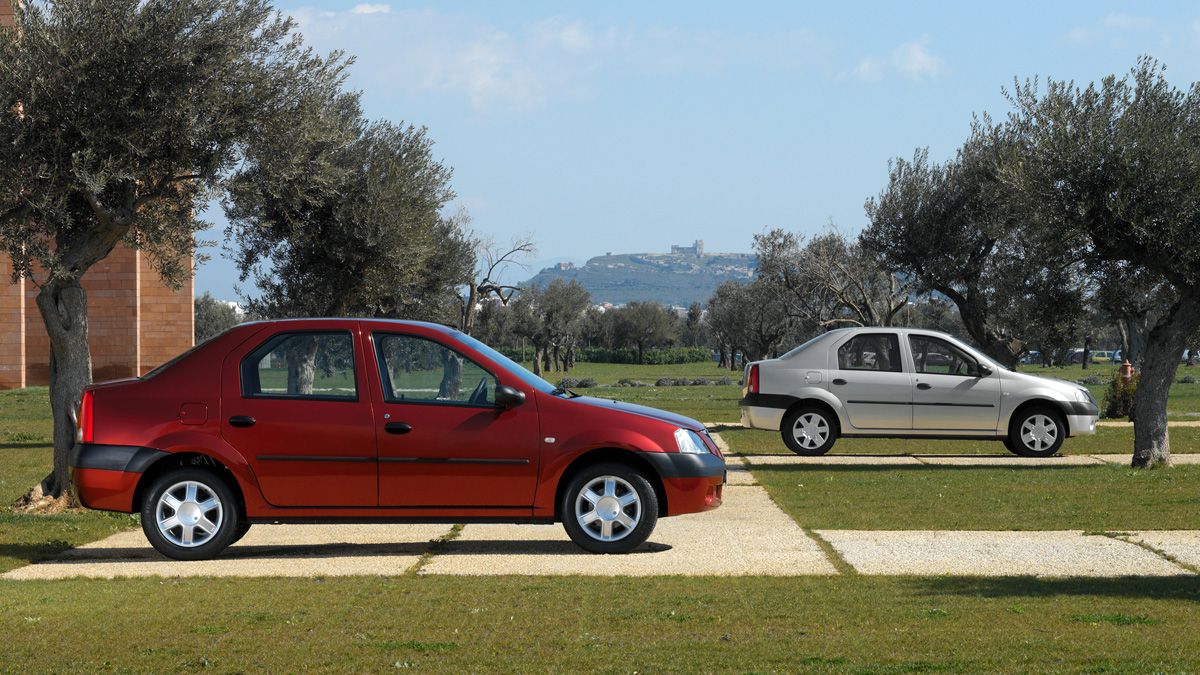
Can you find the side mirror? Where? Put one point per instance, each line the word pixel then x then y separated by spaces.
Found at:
pixel 509 397
pixel 982 370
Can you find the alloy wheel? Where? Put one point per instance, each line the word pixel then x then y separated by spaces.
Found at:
pixel 189 513
pixel 608 508
pixel 810 431
pixel 1039 432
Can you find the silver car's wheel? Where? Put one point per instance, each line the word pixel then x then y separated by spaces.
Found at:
pixel 810 430
pixel 189 513
pixel 1039 432
pixel 1036 433
pixel 608 508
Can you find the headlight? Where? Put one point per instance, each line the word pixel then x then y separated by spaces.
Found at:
pixel 690 443
pixel 1084 396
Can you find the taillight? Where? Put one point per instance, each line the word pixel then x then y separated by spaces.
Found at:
pixel 86 431
pixel 752 380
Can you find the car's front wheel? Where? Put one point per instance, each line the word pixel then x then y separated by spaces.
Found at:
pixel 609 508
pixel 190 514
pixel 809 431
pixel 1036 432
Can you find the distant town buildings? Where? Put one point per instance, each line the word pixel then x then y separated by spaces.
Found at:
pixel 696 249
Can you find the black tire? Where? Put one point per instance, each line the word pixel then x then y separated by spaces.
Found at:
pixel 1035 444
pixel 229 521
pixel 241 532
pixel 1008 444
pixel 589 537
pixel 824 419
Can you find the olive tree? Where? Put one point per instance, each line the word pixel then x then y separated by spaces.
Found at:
pixel 958 230
pixel 1116 167
pixel 119 119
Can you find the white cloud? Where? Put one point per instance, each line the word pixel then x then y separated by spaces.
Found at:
pixel 367 8
pixel 1123 21
pixel 1080 35
pixel 911 60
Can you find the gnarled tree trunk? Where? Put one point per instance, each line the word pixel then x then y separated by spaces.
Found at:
pixel 63 305
pixel 302 366
pixel 1160 360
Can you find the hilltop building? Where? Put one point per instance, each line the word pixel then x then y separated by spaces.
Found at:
pixel 135 322
pixel 696 249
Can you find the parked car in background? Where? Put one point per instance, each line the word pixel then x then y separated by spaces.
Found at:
pixel 353 420
pixel 889 382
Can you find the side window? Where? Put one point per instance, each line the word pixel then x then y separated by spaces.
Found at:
pixel 416 370
pixel 871 351
pixel 934 356
pixel 302 365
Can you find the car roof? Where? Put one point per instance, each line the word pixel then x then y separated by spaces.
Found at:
pixel 442 328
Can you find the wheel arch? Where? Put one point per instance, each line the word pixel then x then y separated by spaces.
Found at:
pixel 1039 403
pixel 186 459
pixel 609 454
pixel 816 402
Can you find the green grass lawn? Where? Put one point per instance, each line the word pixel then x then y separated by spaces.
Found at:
pixel 877 625
pixel 1110 498
pixel 1106 441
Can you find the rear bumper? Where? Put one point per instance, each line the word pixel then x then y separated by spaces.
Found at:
pixel 691 483
pixel 758 417
pixel 106 476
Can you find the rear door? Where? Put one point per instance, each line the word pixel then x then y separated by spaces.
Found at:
pixel 869 378
pixel 949 391
pixel 443 441
pixel 295 406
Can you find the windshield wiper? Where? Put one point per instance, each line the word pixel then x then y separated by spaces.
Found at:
pixel 559 391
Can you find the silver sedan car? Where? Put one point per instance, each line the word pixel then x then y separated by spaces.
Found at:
pixel 901 382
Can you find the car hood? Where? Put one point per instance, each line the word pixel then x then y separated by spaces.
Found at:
pixel 643 410
pixel 1057 383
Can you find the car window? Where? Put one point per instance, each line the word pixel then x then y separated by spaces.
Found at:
pixel 934 356
pixel 871 351
pixel 302 365
pixel 417 370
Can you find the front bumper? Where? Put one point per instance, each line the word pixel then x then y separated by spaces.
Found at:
pixel 691 483
pixel 1081 417
pixel 106 476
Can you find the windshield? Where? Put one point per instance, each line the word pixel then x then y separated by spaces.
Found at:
pixel 508 364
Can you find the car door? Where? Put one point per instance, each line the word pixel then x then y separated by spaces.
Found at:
pixel 443 441
pixel 950 392
pixel 294 405
pixel 869 379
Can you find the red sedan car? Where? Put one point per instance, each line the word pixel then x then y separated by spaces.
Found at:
pixel 355 420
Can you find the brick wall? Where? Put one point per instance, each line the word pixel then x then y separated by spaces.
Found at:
pixel 135 322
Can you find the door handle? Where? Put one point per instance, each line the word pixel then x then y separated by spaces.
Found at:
pixel 838 380
pixel 924 385
pixel 397 428
pixel 241 421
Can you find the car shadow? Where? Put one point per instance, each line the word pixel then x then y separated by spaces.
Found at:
pixel 1183 587
pixel 527 547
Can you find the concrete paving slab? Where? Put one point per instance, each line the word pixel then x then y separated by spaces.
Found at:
pixel 1182 545
pixel 1125 460
pixel 832 460
pixel 748 535
pixel 737 471
pixel 1053 554
pixel 267 550
pixel 1008 460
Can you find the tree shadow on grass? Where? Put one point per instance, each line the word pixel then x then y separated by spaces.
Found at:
pixel 31 553
pixel 1159 588
pixel 25 446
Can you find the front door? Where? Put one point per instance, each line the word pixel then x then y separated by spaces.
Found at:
pixel 950 393
pixel 443 442
pixel 294 406
pixel 871 383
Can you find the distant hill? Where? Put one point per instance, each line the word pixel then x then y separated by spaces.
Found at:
pixel 669 278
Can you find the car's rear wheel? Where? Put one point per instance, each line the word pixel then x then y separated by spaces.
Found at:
pixel 190 514
pixel 609 508
pixel 1036 432
pixel 809 430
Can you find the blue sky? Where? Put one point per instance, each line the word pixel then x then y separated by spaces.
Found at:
pixel 629 126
